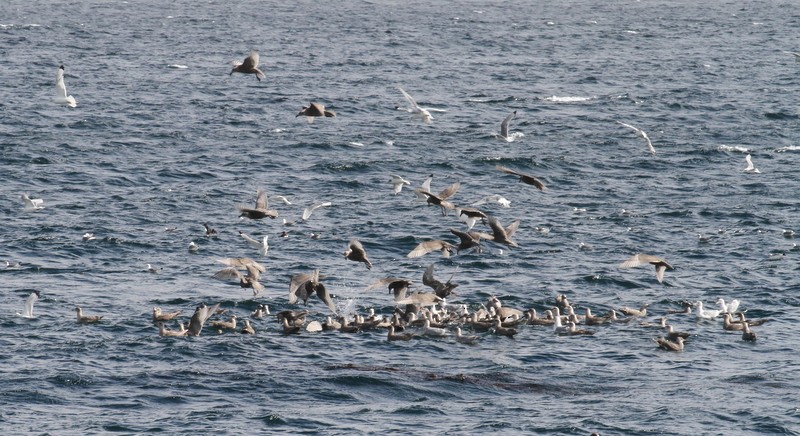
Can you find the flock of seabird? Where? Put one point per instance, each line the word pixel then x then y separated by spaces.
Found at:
pixel 418 313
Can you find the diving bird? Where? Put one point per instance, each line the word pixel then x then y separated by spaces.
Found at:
pixel 397 183
pixel 32 204
pixel 249 66
pixel 643 259
pixel 524 178
pixel 355 252
pixel 416 110
pixel 442 290
pixel 750 167
pixel 504 127
pixel 641 133
pixel 261 245
pixel 61 90
pixel 249 280
pixel 314 110
pixel 302 286
pixel 260 211
pixel 201 314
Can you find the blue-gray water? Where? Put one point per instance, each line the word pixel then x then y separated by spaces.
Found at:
pixel 150 147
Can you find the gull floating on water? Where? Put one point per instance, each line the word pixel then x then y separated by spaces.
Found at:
pixel 641 133
pixel 61 90
pixel 163 331
pixel 314 110
pixel 261 245
pixel 161 316
pixel 731 307
pixel 32 204
pixel 643 259
pixel 249 66
pixel 88 237
pixel 397 183
pixel 86 319
pixel 414 109
pixel 465 339
pixel 666 344
pixel 27 312
pixel 750 167
pixel 193 248
pixel 700 313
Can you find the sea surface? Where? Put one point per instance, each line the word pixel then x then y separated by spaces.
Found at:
pixel 152 152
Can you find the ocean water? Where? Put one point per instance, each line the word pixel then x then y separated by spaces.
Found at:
pixel 151 147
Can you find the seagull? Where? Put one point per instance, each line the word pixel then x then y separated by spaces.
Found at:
pixel 503 235
pixel 314 110
pixel 163 331
pixel 249 280
pixel 225 325
pixel 442 290
pixel 748 335
pixel 32 204
pixel 504 127
pixel 524 178
pixel 151 269
pixel 61 90
pixel 423 113
pixel 426 247
pixel 640 132
pixel 668 345
pixel 728 308
pixel 705 314
pixel 201 314
pixel 27 312
pixel 281 198
pixel 88 237
pixel 86 319
pixel 424 187
pixel 465 339
pixel 248 329
pixel 470 240
pixel 310 209
pixel 304 285
pixel 499 199
pixel 193 248
pixel 643 259
pixel 796 55
pixel 261 245
pixel 249 66
pixel 427 330
pixel 160 316
pixel 640 312
pixel 392 336
pixel 397 183
pixel 261 210
pixel 355 252
pixel 419 299
pixel 440 199
pixel 210 231
pixel 750 167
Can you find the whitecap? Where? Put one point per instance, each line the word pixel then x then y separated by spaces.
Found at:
pixel 557 99
pixel 788 148
pixel 177 66
pixel 355 144
pixel 278 130
pixel 736 148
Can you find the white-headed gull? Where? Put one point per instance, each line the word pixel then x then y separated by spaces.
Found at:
pixel 61 90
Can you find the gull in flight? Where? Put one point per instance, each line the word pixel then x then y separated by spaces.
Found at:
pixel 796 55
pixel 201 314
pixel 504 127
pixel 524 178
pixel 425 187
pixel 398 182
pixel 750 167
pixel 643 259
pixel 499 199
pixel 33 204
pixel 261 210
pixel 355 252
pixel 314 110
pixel 640 132
pixel 414 109
pixel 310 209
pixel 249 66
pixel 28 311
pixel 261 245
pixel 61 90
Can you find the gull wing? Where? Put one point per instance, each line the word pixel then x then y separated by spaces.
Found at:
pixel 309 210
pixel 426 247
pixel 251 61
pixel 409 98
pixel 61 88
pixel 449 191
pixel 228 274
pixel 504 124
pixel 261 199
pixel 323 295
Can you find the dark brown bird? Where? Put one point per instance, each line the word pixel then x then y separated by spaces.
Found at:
pixel 249 66
pixel 666 344
pixel 261 210
pixel 470 240
pixel 249 280
pixel 440 199
pixel 355 252
pixel 503 235
pixel 210 231
pixel 303 286
pixel 524 178
pixel 442 290
pixel 314 110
